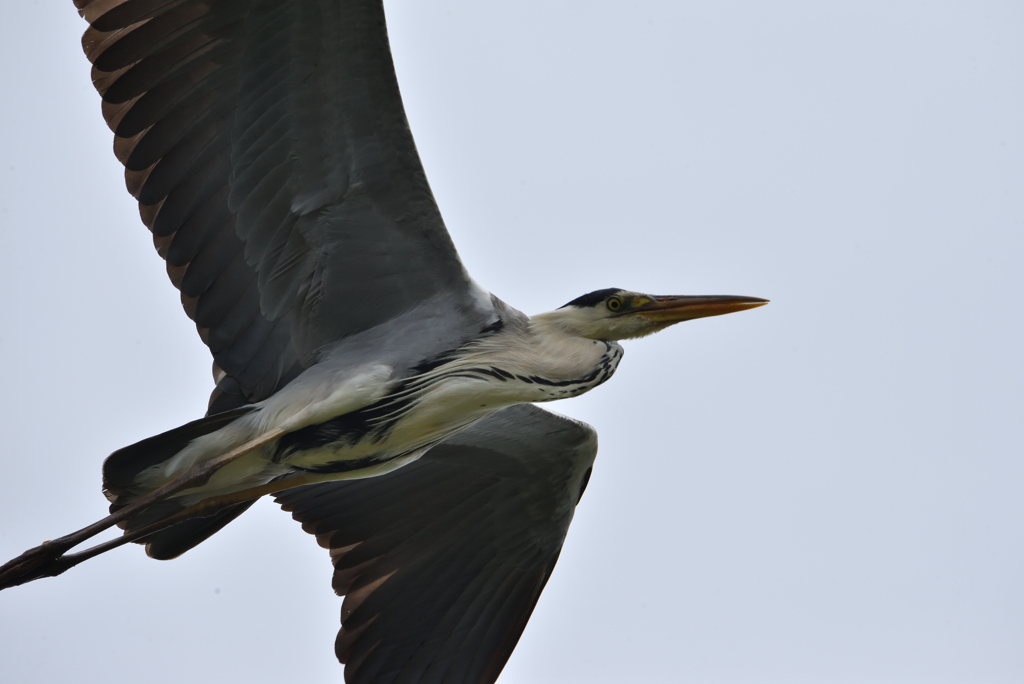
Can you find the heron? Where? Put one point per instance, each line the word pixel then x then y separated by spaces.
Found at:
pixel 362 377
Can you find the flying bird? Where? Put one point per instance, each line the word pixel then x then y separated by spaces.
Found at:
pixel 362 376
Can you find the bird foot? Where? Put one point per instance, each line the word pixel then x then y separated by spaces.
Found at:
pixel 45 560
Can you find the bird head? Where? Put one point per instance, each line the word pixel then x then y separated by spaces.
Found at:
pixel 616 314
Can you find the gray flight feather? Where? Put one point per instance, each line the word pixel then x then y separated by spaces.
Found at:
pixel 268 147
pixel 442 561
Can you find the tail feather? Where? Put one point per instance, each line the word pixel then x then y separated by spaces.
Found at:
pixel 122 467
pixel 121 471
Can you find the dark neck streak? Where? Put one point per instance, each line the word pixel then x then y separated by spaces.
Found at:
pixel 604 370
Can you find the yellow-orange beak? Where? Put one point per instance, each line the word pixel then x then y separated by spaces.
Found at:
pixel 676 309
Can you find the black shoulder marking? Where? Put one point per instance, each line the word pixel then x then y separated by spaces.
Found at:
pixel 593 298
pixel 436 362
pixel 493 327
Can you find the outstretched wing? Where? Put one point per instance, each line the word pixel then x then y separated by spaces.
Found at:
pixel 442 561
pixel 268 147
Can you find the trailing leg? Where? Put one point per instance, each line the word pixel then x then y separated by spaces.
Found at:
pixel 45 560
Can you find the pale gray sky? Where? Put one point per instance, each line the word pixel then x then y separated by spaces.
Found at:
pixel 824 490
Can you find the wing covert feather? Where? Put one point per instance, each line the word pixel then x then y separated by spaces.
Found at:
pixel 443 560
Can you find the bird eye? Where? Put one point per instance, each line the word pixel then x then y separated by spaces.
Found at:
pixel 614 304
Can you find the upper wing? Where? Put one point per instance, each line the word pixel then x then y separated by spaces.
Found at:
pixel 268 147
pixel 442 561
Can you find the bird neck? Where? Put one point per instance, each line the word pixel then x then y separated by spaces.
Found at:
pixel 543 346
pixel 564 322
pixel 565 362
pixel 559 349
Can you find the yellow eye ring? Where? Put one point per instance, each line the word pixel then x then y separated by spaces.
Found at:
pixel 614 304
